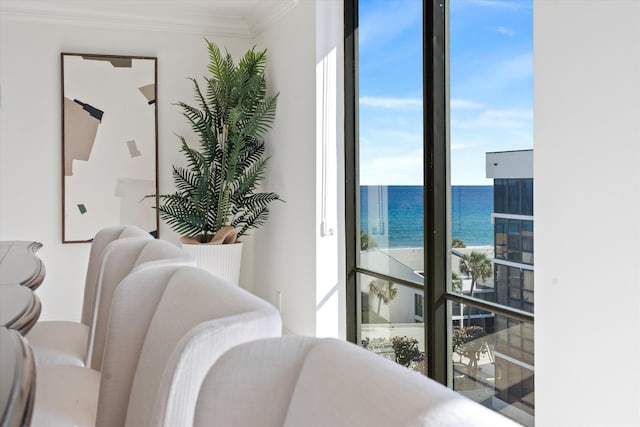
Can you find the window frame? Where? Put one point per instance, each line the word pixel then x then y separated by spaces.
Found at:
pixel 436 284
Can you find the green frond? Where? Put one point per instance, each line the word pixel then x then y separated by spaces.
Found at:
pixel 262 118
pixel 249 179
pixel 259 200
pixel 185 179
pixel 202 102
pixel 195 159
pixel 254 149
pixel 250 220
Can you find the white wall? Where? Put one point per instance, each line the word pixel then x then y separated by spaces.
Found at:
pixel 587 201
pixel 30 142
pixel 297 266
pixel 330 289
pixel 286 243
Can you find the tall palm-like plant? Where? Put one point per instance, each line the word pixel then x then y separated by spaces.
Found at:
pixel 477 266
pixel 383 290
pixel 217 189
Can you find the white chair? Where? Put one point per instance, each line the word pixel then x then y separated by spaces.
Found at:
pixel 312 382
pixel 167 326
pixel 65 342
pixel 121 258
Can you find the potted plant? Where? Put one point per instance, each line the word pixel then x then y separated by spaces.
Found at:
pixel 216 199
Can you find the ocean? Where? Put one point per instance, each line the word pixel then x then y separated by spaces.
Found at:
pixel 402 206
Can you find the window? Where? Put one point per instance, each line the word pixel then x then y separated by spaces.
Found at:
pixel 439 180
pixel 387 212
pixel 490 146
pixel 513 196
pixel 514 240
pixel 418 303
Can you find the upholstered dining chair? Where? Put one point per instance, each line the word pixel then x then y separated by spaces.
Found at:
pixel 167 326
pixel 121 258
pixel 297 381
pixel 65 342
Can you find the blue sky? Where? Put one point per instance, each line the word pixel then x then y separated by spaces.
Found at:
pixel 491 84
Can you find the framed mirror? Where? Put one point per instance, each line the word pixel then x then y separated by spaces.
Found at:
pixel 109 143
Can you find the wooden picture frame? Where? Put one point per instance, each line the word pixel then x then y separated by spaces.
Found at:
pixel 109 143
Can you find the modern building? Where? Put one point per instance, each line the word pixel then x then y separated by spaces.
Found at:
pixel 512 174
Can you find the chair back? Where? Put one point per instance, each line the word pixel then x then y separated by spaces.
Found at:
pixel 100 241
pixel 167 326
pixel 120 258
pixel 315 382
pixel 260 375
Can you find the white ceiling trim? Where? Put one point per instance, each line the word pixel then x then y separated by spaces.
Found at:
pixel 270 12
pixel 238 18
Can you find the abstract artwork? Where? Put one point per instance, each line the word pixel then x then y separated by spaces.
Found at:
pixel 109 143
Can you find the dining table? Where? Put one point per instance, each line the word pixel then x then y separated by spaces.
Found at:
pixel 19 307
pixel 21 272
pixel 19 263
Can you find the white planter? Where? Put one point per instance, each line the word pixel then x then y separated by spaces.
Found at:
pixel 222 260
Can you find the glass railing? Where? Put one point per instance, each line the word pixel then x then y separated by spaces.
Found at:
pixel 392 321
pixel 492 363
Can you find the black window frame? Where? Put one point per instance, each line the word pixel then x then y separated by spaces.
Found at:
pixel 437 294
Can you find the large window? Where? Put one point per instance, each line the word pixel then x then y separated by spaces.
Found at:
pixel 388 211
pixel 439 184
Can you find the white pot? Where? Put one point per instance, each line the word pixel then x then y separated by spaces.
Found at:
pixel 222 260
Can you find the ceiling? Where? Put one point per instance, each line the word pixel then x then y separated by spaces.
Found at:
pixel 243 18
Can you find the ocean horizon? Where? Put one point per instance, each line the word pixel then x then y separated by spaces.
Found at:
pixel 394 215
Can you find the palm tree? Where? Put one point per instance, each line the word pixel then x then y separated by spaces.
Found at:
pixel 477 266
pixel 383 290
pixel 457 243
pixel 456 283
pixel 366 241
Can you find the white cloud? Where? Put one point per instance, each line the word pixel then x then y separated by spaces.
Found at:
pixel 492 78
pixel 500 119
pixel 465 104
pixel 404 169
pixel 520 66
pixel 458 147
pixel 391 103
pixel 506 31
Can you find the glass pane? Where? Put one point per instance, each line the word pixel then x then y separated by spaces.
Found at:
pixel 390 322
pixel 513 241
pixel 492 363
pixel 527 197
pixel 500 195
pixel 390 172
pixel 527 242
pixel 500 238
pixel 491 193
pixel 513 202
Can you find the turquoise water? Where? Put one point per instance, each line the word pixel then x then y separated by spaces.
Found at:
pixel 471 208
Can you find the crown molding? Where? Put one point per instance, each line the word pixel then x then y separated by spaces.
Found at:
pixel 268 12
pixel 237 18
